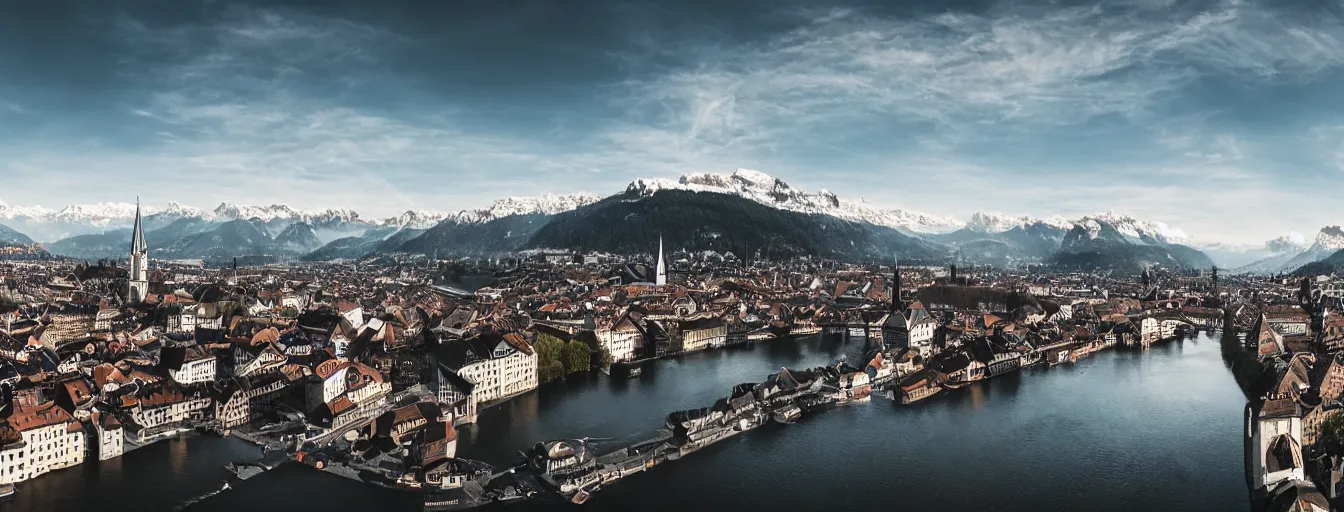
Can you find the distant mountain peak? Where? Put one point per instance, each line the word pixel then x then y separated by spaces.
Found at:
pixel 1291 242
pixel 415 219
pixel 771 191
pixel 1135 229
pixel 990 222
pixel 1330 238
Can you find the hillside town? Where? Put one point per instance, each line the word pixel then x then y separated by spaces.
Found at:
pixel 368 369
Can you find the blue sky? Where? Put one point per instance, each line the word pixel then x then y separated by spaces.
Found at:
pixel 1220 117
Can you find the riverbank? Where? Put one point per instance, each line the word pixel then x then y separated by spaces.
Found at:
pixel 1119 430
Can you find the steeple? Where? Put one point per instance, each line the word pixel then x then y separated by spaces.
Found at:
pixel 139 272
pixel 896 286
pixel 138 234
pixel 662 269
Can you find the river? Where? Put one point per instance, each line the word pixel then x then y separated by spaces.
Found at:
pixel 1157 430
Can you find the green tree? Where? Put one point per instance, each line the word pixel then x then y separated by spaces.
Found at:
pixel 1331 437
pixel 606 357
pixel 550 364
pixel 577 358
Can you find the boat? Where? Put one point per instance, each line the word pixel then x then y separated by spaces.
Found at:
pixel 787 414
pixel 634 372
pixel 7 490
pixel 581 497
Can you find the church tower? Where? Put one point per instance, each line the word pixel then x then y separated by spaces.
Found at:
pixel 661 280
pixel 896 328
pixel 139 272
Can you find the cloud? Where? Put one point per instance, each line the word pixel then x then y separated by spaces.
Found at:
pixel 1134 105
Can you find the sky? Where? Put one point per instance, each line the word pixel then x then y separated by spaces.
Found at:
pixel 1220 117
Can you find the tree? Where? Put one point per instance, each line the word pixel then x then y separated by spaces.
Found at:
pixel 606 357
pixel 1331 438
pixel 576 357
pixel 550 365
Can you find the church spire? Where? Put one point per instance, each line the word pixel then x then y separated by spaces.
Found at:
pixel 139 271
pixel 138 234
pixel 896 286
pixel 661 278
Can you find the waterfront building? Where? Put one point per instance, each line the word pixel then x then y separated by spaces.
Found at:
pixel 242 399
pixel 453 392
pixel 1277 443
pixel 138 282
pixel 620 340
pixel 111 438
pixel 164 411
pixel 38 438
pixel 703 333
pixel 497 366
pixel 917 386
pixel 1150 331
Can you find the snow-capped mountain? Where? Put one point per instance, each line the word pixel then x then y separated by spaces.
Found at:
pixel 174 211
pixel 987 222
pixel 280 212
pixel 45 224
pixel 1329 240
pixel 9 212
pixel 768 190
pixel 1291 242
pixel 415 219
pixel 545 204
pixel 1136 230
pixel 1121 242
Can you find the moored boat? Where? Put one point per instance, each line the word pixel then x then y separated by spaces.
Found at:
pixel 7 490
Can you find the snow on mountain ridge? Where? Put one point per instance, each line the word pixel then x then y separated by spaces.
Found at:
pixel 544 204
pixel 9 212
pixel 1330 238
pixel 1291 242
pixel 415 219
pixel 991 222
pixel 1133 228
pixel 99 214
pixel 770 191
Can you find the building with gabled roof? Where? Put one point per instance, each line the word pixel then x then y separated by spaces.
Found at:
pixel 36 439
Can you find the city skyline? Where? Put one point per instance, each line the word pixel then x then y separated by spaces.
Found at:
pixel 1031 108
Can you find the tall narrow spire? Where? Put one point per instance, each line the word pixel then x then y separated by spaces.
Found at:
pixel 139 272
pixel 138 234
pixel 896 286
pixel 661 279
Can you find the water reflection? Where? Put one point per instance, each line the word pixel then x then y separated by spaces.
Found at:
pixel 1119 431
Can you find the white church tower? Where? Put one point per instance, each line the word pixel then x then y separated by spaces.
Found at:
pixel 661 280
pixel 139 278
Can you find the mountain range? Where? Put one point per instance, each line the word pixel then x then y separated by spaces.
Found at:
pixel 745 212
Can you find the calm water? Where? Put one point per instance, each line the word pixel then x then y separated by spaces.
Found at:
pixel 1118 431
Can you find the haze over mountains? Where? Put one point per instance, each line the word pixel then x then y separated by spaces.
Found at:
pixel 745 212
